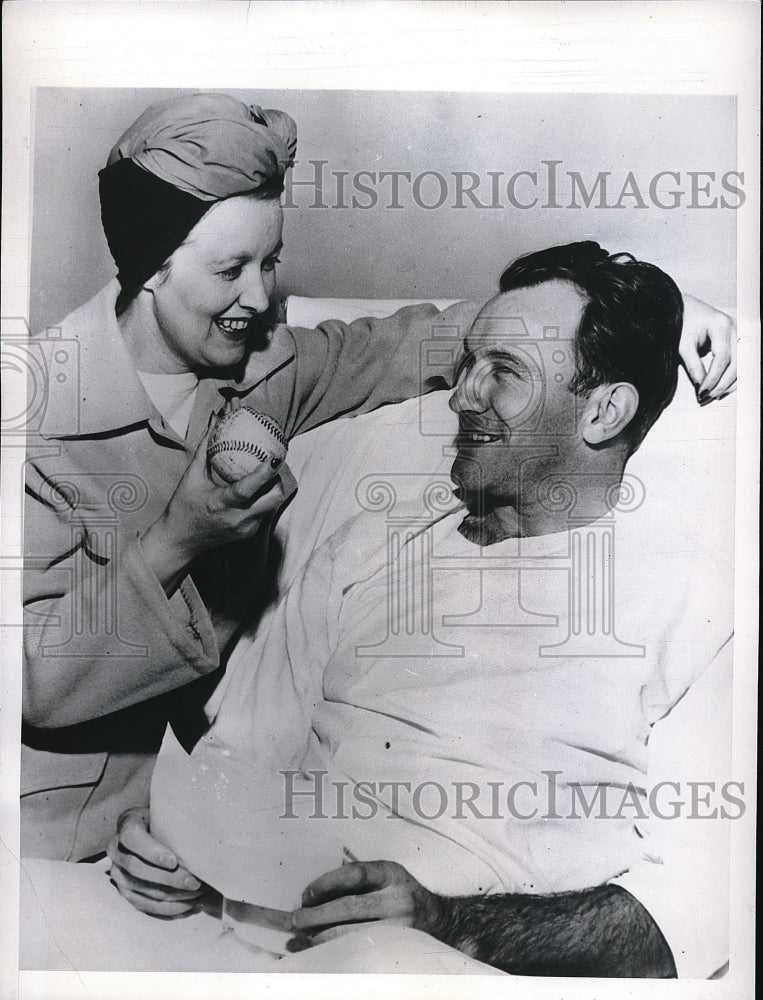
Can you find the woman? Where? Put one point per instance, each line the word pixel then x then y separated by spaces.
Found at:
pixel 134 588
pixel 140 570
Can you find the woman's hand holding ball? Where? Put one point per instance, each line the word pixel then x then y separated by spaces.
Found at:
pixel 230 487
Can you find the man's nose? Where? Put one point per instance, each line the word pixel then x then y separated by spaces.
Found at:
pixel 254 296
pixel 472 391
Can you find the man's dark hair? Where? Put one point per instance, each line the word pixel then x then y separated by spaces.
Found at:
pixel 630 328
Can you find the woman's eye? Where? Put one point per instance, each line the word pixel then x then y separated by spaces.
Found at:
pixel 231 273
pixel 270 263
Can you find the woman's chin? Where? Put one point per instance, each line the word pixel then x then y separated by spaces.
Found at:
pixel 226 355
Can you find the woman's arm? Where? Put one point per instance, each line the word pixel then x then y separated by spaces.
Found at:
pixel 352 368
pixel 112 615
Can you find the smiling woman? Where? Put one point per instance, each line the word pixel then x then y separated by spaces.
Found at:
pixel 140 570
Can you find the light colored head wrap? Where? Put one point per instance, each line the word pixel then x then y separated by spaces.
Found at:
pixel 211 146
pixel 174 162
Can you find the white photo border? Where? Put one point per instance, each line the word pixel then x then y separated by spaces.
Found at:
pixel 578 47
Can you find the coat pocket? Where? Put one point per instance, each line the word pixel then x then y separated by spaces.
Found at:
pixel 42 770
pixel 55 791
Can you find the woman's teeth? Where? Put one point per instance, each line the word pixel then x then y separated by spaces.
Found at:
pixel 232 325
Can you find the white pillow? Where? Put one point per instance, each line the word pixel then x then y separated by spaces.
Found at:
pixel 309 312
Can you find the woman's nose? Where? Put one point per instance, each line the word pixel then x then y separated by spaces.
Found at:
pixel 255 296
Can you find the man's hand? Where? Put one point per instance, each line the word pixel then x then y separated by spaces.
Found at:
pixel 346 899
pixel 708 331
pixel 147 873
pixel 595 932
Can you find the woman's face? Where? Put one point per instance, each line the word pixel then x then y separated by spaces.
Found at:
pixel 217 282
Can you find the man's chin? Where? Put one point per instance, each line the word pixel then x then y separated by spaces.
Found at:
pixel 460 491
pixel 465 488
pixel 473 500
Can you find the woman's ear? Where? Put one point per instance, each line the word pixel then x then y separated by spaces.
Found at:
pixel 157 278
pixel 609 410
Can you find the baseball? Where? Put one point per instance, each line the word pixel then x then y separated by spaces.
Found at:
pixel 242 441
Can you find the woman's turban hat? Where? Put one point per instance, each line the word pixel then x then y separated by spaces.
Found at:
pixel 174 162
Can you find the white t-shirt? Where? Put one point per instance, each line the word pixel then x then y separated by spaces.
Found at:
pixel 457 674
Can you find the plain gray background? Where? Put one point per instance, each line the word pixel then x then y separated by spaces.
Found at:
pixel 445 252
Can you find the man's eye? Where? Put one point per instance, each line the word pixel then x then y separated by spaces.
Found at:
pixel 270 263
pixel 505 371
pixel 231 273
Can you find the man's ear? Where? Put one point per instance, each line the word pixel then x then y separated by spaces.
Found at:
pixel 609 410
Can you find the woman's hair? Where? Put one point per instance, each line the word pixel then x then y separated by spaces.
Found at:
pixel 630 328
pixel 174 163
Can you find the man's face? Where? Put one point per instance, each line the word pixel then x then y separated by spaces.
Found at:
pixel 517 417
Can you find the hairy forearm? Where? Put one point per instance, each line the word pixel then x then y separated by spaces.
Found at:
pixel 598 932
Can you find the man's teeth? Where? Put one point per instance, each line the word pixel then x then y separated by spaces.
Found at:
pixel 233 325
pixel 479 438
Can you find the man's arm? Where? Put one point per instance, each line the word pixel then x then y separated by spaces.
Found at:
pixel 602 932
pixel 707 331
pixel 352 368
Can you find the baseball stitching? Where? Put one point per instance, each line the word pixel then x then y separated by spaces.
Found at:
pixel 267 422
pixel 247 446
pixel 271 426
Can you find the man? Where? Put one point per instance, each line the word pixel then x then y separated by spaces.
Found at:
pixel 531 661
